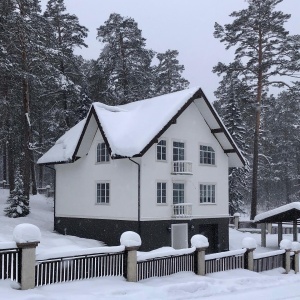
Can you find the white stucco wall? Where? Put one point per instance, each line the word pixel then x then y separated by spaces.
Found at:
pixel 76 187
pixel 76 182
pixel 191 129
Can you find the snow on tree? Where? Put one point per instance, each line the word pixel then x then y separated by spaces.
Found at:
pixel 18 203
pixel 263 49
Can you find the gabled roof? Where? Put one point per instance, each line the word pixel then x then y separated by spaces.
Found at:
pixel 285 213
pixel 130 130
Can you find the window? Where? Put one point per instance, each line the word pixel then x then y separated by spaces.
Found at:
pixel 207 155
pixel 207 193
pixel 178 151
pixel 178 193
pixel 161 150
pixel 103 193
pixel 161 188
pixel 102 152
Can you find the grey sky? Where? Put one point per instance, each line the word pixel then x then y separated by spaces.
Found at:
pixel 184 25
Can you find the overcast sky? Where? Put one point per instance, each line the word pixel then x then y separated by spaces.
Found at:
pixel 183 25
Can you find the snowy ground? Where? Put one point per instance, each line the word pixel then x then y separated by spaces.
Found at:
pixel 236 284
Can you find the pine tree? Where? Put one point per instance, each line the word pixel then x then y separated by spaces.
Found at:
pixel 263 49
pixel 18 203
pixel 124 61
pixel 168 73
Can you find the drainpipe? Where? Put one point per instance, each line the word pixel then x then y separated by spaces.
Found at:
pixel 139 195
pixel 54 196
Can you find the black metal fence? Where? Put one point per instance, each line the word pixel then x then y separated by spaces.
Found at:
pixel 79 267
pixel 267 263
pixel 163 266
pixel 9 264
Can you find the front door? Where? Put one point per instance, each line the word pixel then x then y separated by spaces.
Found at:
pixel 179 233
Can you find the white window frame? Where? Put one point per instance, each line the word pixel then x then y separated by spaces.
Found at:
pixel 212 155
pixel 184 150
pixel 107 184
pixel 107 156
pixel 161 196
pixel 210 193
pixel 184 191
pixel 161 147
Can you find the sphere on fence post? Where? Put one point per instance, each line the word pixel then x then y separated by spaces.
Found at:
pixel 132 242
pixel 250 244
pixel 27 237
pixel 200 242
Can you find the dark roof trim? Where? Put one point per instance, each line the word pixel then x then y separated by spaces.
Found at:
pixel 229 138
pixel 217 130
pixel 229 151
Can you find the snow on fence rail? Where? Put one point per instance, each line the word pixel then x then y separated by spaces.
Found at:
pixel 110 262
pixel 9 261
pixel 165 264
pixel 225 261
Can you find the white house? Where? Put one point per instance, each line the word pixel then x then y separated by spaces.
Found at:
pixel 157 166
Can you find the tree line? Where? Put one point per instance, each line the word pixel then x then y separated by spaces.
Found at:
pixel 45 88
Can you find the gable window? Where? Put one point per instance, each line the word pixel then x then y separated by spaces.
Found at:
pixel 102 153
pixel 178 151
pixel 161 150
pixel 102 193
pixel 161 194
pixel 207 193
pixel 207 155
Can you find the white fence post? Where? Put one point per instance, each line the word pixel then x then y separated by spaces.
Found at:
pixel 200 242
pixel 287 246
pixel 27 237
pixel 296 250
pixel 250 244
pixel 132 242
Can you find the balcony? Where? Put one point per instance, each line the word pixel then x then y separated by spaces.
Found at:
pixel 181 210
pixel 182 167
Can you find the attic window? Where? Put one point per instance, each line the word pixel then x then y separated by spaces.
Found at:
pixel 207 155
pixel 161 150
pixel 102 153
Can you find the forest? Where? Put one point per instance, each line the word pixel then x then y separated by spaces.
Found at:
pixel 45 89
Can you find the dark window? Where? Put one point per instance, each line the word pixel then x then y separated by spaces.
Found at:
pixel 207 193
pixel 207 155
pixel 103 192
pixel 161 150
pixel 161 192
pixel 178 151
pixel 178 193
pixel 102 153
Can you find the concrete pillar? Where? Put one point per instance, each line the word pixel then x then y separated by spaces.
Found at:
pixel 295 231
pixel 296 261
pixel 200 261
pixel 263 235
pixel 131 263
pixel 279 233
pixel 236 217
pixel 27 265
pixel 249 261
pixel 287 258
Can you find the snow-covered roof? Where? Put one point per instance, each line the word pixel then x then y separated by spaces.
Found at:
pixel 284 213
pixel 129 130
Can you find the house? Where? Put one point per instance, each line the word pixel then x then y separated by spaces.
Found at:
pixel 158 167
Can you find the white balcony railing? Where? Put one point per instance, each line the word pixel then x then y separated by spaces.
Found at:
pixel 182 210
pixel 182 167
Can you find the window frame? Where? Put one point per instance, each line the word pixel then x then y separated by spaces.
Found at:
pixel 161 152
pixel 184 191
pixel 161 196
pixel 107 184
pixel 178 154
pixel 213 193
pixel 213 152
pixel 99 155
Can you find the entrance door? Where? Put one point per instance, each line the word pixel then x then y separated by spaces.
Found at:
pixel 179 233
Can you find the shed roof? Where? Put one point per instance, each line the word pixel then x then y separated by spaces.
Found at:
pixel 285 213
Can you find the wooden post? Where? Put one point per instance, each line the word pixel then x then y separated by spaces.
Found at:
pixel 131 263
pixel 279 233
pixel 263 235
pixel 27 265
pixel 295 231
pixel 269 228
pixel 236 217
pixel 200 261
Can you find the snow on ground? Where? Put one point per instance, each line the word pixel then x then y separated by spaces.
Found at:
pixel 229 285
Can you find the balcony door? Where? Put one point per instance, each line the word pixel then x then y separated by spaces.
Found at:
pixel 178 197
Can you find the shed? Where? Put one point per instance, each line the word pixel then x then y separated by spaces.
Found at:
pixel 285 213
